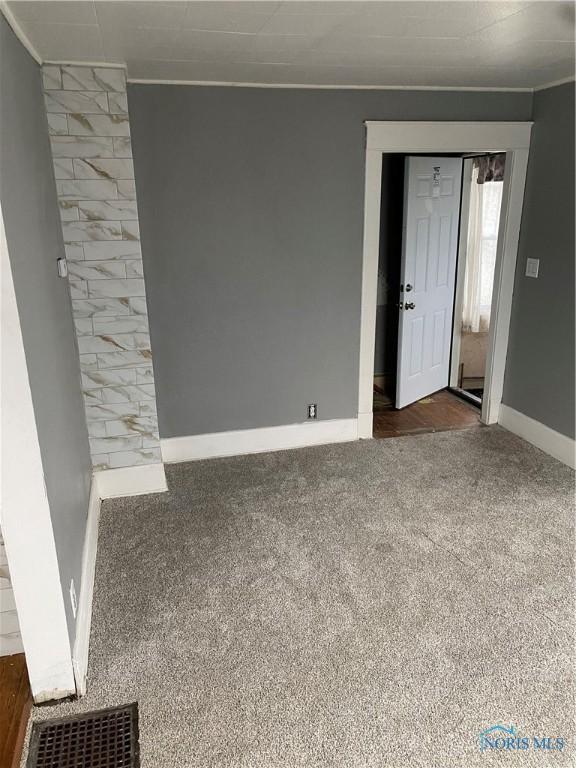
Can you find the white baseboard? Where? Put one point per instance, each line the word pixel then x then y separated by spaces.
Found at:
pixel 130 481
pixel 238 442
pixel 84 615
pixel 548 440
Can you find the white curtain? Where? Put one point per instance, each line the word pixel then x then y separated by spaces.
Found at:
pixel 483 219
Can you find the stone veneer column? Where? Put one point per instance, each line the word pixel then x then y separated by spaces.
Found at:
pixel 90 138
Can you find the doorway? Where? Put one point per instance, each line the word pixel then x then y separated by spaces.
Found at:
pixel 443 138
pixel 419 219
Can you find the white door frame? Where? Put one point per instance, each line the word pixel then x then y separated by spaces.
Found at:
pixel 25 514
pixel 460 270
pixel 435 138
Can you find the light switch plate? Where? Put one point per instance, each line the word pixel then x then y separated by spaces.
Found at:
pixel 532 266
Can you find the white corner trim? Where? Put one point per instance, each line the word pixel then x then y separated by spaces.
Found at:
pixel 25 512
pixel 548 440
pixel 130 481
pixel 554 83
pixel 243 441
pixel 84 617
pixel 19 32
pixel 327 87
pixel 365 425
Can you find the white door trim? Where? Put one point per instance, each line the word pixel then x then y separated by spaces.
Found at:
pixel 460 271
pixel 26 522
pixel 437 137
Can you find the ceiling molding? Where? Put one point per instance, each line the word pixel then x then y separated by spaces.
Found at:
pixel 554 83
pixel 308 86
pixel 19 32
pixel 71 63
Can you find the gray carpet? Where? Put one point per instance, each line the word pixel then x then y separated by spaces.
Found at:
pixel 369 604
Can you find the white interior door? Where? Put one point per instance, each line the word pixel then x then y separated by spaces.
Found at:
pixel 429 250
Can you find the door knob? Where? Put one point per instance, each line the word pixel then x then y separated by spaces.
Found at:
pixel 408 288
pixel 409 305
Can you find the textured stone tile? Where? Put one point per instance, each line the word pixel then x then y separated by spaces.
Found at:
pixel 145 375
pixel 130 230
pixel 57 125
pixel 112 250
pixel 138 306
pixel 63 169
pixel 148 409
pixel 111 411
pixel 132 358
pixel 83 326
pixel 78 231
pixel 115 444
pixel 108 378
pixel 68 212
pixel 116 288
pixel 110 210
pixel 87 189
pixel 75 146
pixel 118 103
pixel 96 270
pixel 80 124
pixel 97 429
pixel 126 189
pixel 134 268
pixel 76 101
pixel 100 461
pixel 104 168
pixel 132 425
pixel 78 289
pixel 99 308
pixel 51 78
pixel 125 324
pixel 74 251
pixel 135 458
pixel 75 78
pixel 122 147
pixel 122 394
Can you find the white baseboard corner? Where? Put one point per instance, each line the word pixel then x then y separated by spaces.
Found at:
pixel 244 441
pixel 130 481
pixel 365 425
pixel 84 614
pixel 548 440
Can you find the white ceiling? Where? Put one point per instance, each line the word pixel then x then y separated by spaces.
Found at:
pixel 388 43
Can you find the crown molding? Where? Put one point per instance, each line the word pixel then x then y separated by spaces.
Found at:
pixel 554 83
pixel 308 86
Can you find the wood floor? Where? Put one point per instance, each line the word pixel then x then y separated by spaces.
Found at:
pixel 436 413
pixel 15 704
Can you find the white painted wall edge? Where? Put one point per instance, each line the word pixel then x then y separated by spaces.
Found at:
pixel 84 616
pixel 243 441
pixel 548 440
pixel 26 521
pixel 130 481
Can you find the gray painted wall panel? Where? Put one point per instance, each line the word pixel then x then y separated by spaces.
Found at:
pixel 34 237
pixel 251 209
pixel 539 379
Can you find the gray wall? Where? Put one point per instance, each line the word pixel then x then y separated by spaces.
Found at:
pixel 539 379
pixel 30 209
pixel 251 209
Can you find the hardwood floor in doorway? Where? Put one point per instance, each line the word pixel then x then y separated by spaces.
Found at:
pixel 15 705
pixel 439 412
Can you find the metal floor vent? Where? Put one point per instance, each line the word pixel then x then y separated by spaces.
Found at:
pixel 107 738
